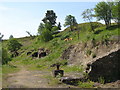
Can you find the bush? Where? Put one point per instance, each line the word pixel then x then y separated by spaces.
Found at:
pixel 5 56
pixel 46 35
pixel 13 45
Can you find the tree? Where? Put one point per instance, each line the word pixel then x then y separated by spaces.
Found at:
pixel 88 15
pixel 46 35
pixel 11 36
pixel 54 29
pixel 13 45
pixel 50 17
pixel 70 21
pixel 103 12
pixel 116 12
pixel 48 27
pixel 41 28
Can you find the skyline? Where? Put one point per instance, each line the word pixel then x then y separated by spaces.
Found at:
pixel 19 17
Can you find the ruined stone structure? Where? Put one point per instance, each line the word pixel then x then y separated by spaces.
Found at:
pixel 38 54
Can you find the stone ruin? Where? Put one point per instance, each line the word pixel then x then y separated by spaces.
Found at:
pixel 38 54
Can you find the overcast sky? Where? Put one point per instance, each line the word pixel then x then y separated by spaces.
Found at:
pixel 18 17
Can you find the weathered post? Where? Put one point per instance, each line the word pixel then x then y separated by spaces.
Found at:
pixel 58 71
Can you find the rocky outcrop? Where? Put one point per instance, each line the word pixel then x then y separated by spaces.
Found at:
pixel 66 53
pixel 107 68
pixel 105 65
pixel 82 53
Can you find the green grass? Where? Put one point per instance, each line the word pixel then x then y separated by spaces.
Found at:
pixel 6 69
pixel 52 81
pixel 9 69
pixel 74 68
pixel 58 45
pixel 88 84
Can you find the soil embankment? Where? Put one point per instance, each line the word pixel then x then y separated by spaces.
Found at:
pixel 102 57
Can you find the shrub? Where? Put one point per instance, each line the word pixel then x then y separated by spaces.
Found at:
pixel 13 45
pixel 5 56
pixel 46 35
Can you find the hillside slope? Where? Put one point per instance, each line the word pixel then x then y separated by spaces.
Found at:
pixel 73 55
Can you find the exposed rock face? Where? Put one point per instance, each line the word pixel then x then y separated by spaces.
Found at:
pixel 66 53
pixel 83 53
pixel 107 67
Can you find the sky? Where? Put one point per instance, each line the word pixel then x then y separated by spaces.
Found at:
pixel 18 17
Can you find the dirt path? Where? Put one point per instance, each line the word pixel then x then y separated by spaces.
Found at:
pixel 28 79
pixel 32 79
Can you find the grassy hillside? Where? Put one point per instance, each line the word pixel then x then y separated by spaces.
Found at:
pixel 56 47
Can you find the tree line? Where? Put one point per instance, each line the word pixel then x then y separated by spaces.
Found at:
pixel 106 11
